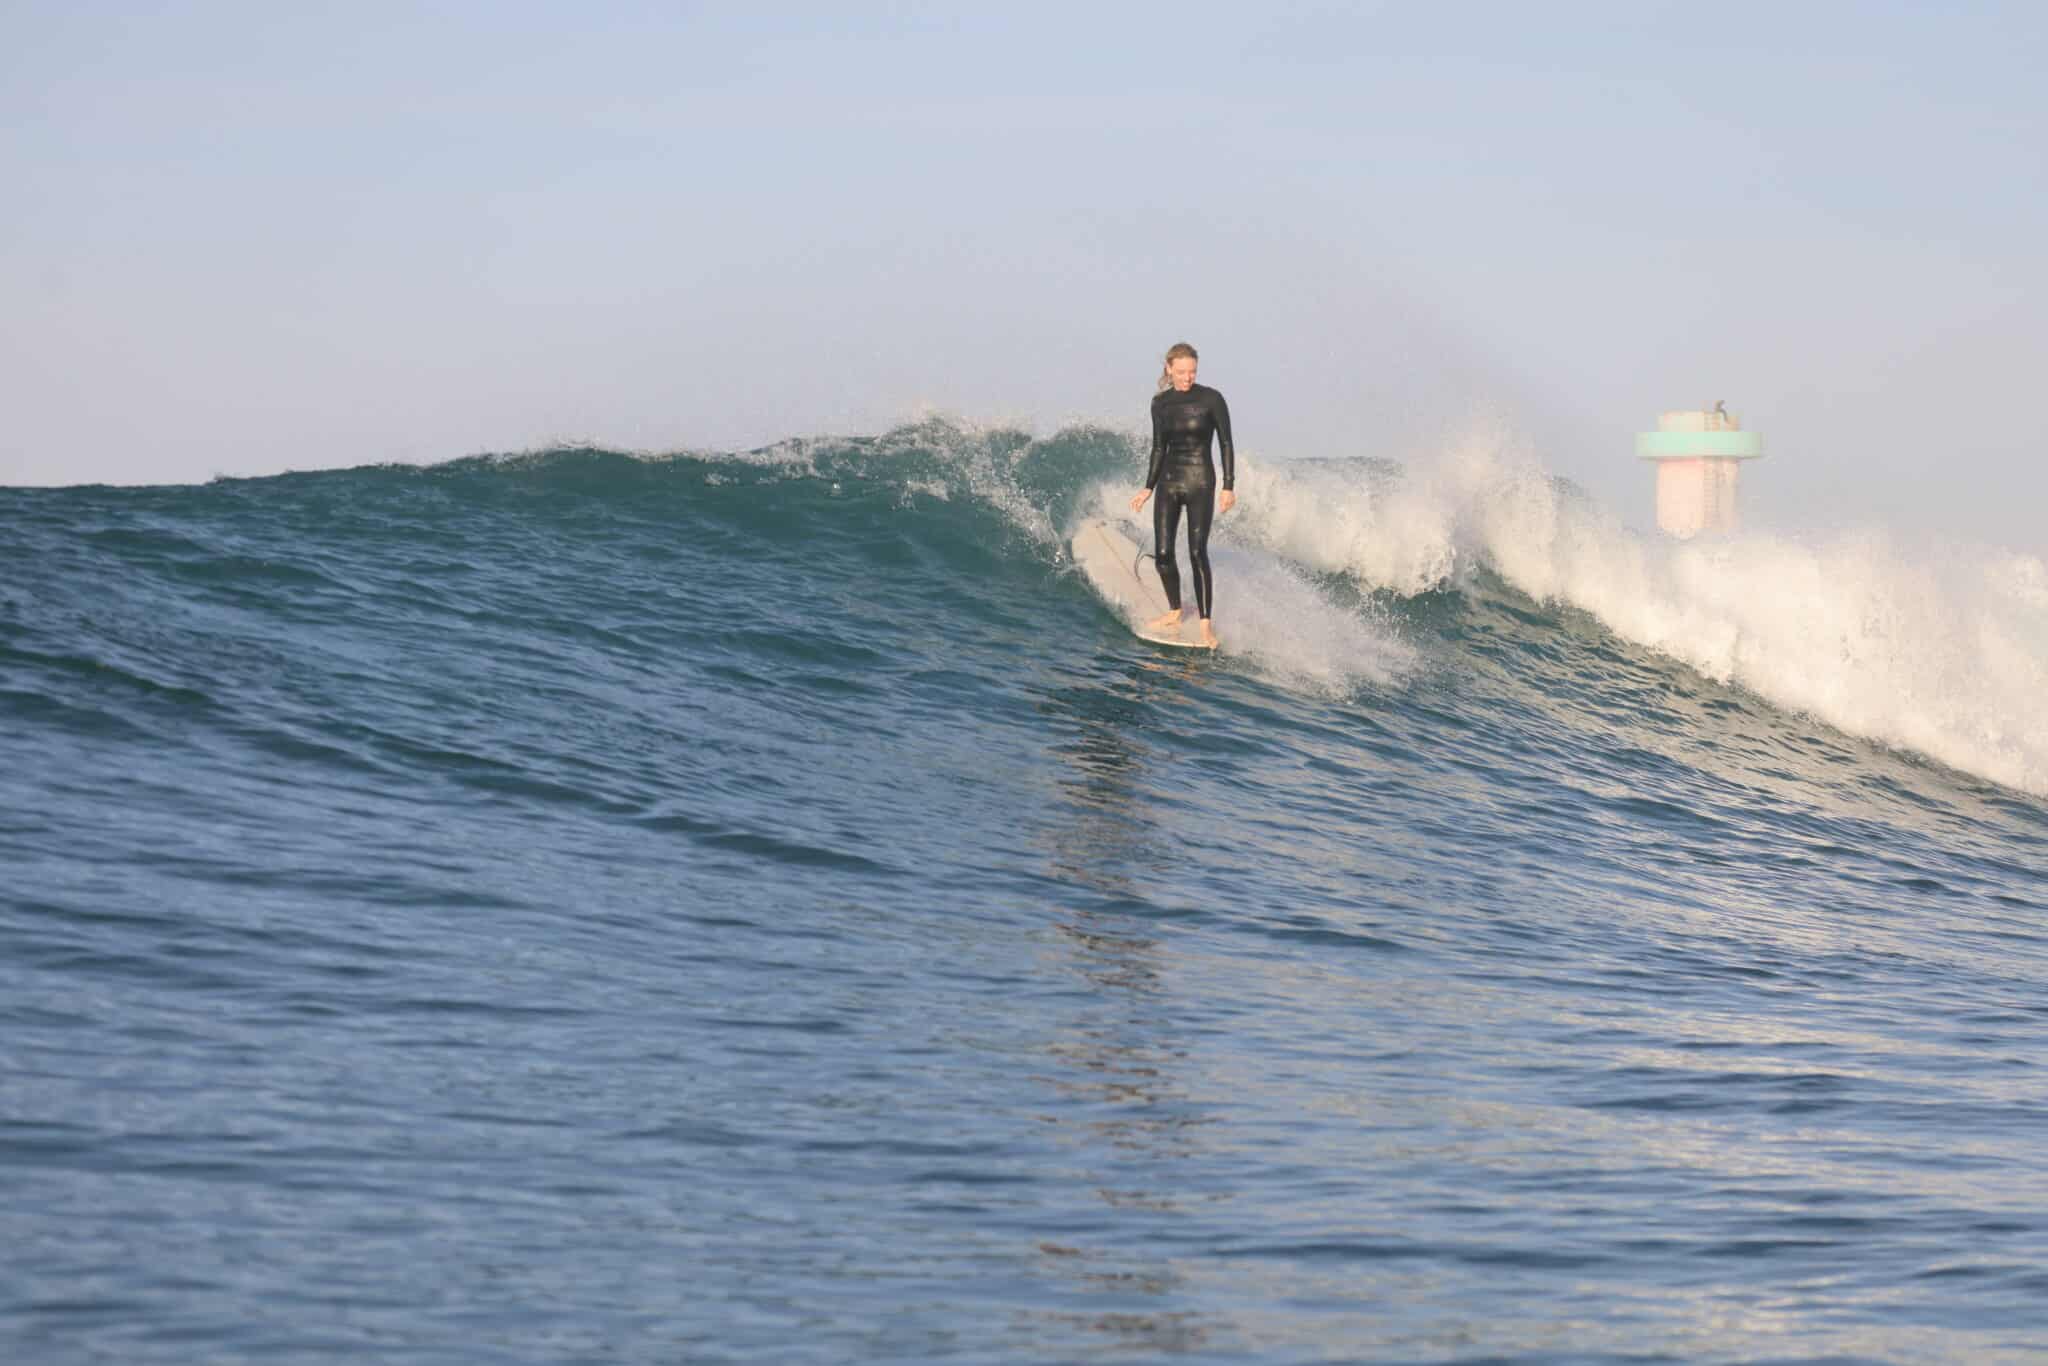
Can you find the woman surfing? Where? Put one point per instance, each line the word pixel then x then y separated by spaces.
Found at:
pixel 1185 417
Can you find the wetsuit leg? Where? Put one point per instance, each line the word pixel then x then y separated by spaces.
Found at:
pixel 1165 530
pixel 1201 512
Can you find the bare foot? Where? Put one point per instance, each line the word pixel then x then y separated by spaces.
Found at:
pixel 1208 634
pixel 1165 623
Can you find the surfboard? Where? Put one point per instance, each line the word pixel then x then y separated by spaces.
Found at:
pixel 1124 575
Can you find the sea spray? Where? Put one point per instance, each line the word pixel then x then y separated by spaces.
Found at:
pixel 1941 649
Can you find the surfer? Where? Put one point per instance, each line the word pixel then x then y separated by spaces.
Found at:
pixel 1185 415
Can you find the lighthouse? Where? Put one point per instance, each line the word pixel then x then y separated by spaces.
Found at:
pixel 1699 458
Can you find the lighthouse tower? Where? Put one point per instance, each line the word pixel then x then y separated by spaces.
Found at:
pixel 1699 457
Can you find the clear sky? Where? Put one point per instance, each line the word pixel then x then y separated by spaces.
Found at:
pixel 242 238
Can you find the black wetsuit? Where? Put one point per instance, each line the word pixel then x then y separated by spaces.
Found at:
pixel 1182 477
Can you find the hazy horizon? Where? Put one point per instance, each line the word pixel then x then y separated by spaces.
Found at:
pixel 250 241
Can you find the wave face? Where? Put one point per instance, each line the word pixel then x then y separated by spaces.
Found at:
pixel 764 904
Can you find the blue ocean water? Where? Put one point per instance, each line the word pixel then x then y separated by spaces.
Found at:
pixel 766 907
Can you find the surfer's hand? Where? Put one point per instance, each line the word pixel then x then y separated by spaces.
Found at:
pixel 1226 500
pixel 1139 501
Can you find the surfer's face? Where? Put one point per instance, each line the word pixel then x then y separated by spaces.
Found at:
pixel 1182 372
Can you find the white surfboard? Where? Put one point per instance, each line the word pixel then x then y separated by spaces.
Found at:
pixel 1125 575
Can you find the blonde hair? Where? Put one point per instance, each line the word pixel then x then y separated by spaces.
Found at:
pixel 1174 353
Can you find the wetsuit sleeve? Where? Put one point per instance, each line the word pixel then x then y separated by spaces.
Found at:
pixel 1229 453
pixel 1158 448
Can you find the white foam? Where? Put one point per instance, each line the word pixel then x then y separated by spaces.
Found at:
pixel 1941 649
pixel 1268 614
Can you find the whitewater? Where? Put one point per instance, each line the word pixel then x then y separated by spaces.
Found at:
pixel 764 906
